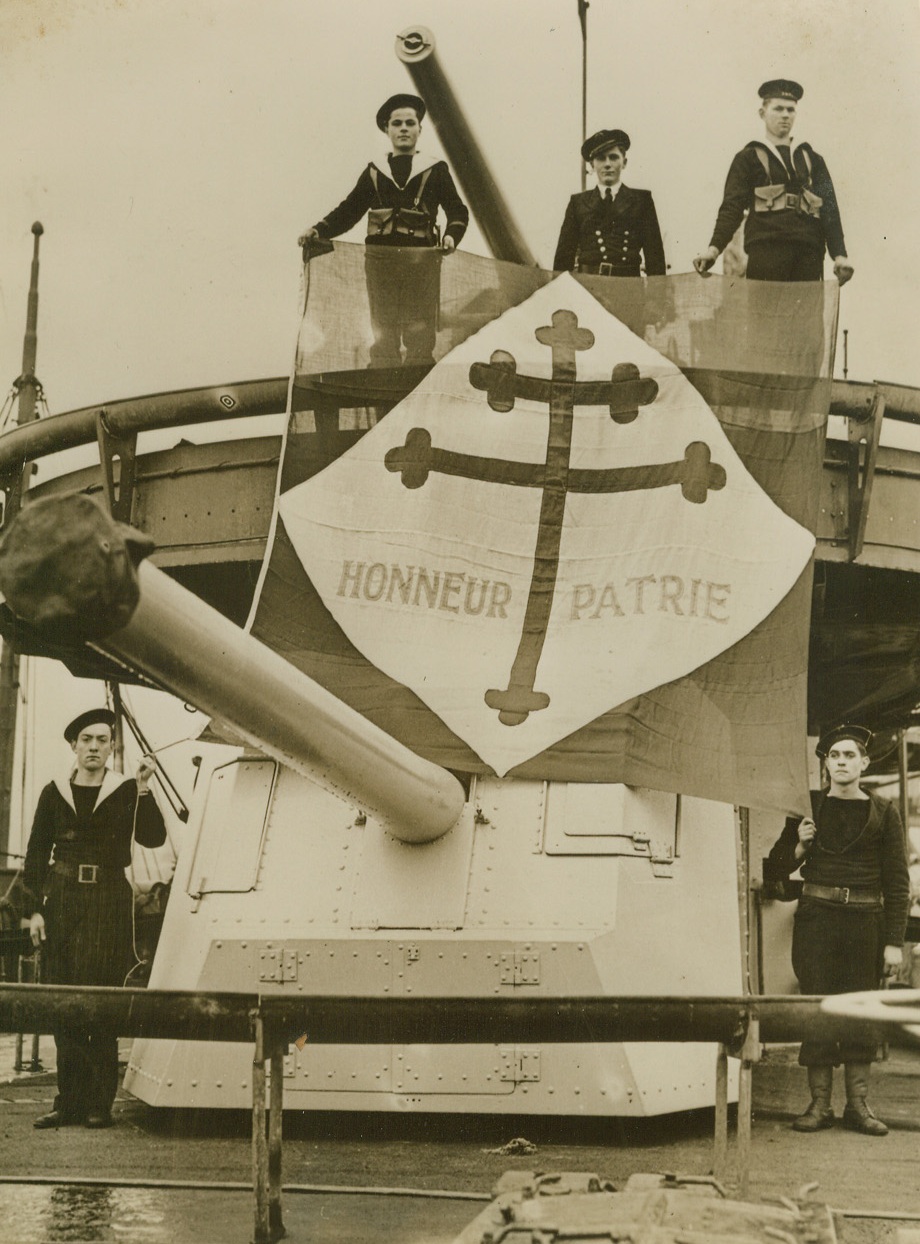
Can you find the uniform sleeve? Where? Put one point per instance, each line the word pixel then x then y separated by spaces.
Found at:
pixel 353 207
pixel 830 212
pixel 38 852
pixel 149 826
pixel 735 200
pixel 567 246
pixel 652 245
pixel 456 211
pixel 895 877
pixel 781 862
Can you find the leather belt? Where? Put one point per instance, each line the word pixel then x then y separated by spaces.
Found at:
pixel 87 874
pixel 852 896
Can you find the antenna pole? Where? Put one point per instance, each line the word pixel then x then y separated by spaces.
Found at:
pixel 583 19
pixel 28 388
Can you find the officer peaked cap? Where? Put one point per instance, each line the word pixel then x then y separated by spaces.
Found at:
pixel 92 717
pixel 781 88
pixel 385 111
pixel 858 734
pixel 598 143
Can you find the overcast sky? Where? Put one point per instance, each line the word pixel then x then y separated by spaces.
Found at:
pixel 174 150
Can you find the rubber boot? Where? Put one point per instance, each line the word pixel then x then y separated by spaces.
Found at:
pixel 819 1114
pixel 856 1115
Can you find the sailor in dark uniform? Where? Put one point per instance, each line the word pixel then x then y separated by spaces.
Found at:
pixel 787 192
pixel 851 917
pixel 610 230
pixel 401 201
pixel 75 877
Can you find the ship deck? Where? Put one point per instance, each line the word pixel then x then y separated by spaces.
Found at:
pixel 185 1176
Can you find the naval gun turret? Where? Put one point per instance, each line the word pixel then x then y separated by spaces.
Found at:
pixel 329 858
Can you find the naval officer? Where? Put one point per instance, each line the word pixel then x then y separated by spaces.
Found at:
pixel 610 230
pixel 401 198
pixel 786 190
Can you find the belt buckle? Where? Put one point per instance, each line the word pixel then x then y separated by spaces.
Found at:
pixel 845 893
pixel 91 869
pixel 605 269
pixel 793 200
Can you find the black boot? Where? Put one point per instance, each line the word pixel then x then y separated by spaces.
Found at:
pixel 819 1114
pixel 856 1115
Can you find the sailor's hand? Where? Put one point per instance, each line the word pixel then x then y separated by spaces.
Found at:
pixel 37 929
pixel 145 771
pixel 448 244
pixel 310 236
pixel 894 957
pixel 807 831
pixel 705 260
pixel 843 269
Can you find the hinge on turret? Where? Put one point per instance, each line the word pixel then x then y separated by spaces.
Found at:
pixel 277 964
pixel 661 858
pixel 519 967
pixel 660 854
pixel 519 1065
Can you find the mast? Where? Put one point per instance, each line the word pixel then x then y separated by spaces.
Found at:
pixel 28 389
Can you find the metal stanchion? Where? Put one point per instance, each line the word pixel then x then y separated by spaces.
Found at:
pixel 275 1117
pixel 35 975
pixel 261 1232
pixel 720 1138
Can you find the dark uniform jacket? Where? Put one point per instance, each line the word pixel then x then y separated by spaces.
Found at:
pixel 106 840
pixel 875 860
pixel 787 226
pixel 439 192
pixel 593 233
pixel 88 922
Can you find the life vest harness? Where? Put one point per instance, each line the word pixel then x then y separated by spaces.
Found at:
pixel 408 222
pixel 779 198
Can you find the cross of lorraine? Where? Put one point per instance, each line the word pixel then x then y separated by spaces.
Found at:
pixel 552 523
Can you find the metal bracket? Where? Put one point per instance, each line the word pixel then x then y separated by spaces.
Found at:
pixel 661 858
pixel 862 452
pixel 12 484
pixel 120 483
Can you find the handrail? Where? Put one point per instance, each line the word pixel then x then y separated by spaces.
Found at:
pixel 270 1022
pixel 334 1019
pixel 243 399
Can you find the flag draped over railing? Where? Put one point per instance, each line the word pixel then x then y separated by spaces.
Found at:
pixel 578 547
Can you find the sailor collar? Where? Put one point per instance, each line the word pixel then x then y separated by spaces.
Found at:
pixel 110 783
pixel 419 164
pixel 764 142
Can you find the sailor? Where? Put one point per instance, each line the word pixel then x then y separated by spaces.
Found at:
pixel 609 230
pixel 401 199
pixel 851 916
pixel 81 902
pixel 787 192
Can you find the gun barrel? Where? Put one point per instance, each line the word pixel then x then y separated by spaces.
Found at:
pixel 415 47
pixel 188 648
